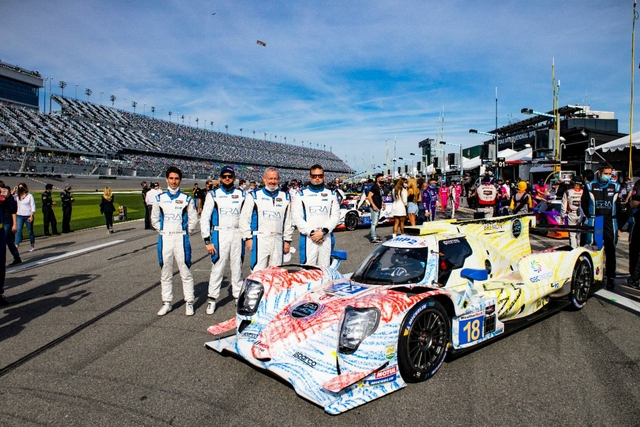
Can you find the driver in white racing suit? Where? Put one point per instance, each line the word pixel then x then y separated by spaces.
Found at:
pixel 316 212
pixel 265 222
pixel 219 227
pixel 174 216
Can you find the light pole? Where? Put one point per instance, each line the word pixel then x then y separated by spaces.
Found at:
pixel 153 112
pixel 101 92
pixel 62 84
pixel 134 104
pixel 44 100
pixel 88 92
pixel 50 93
pixel 76 97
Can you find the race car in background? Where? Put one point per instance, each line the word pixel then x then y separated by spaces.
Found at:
pixel 442 288
pixel 355 212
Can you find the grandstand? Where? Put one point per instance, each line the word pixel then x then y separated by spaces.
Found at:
pixel 88 139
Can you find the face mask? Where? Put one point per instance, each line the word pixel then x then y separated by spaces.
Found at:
pixel 432 186
pixel 605 178
pixel 404 185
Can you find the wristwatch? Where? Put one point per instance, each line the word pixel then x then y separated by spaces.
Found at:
pixel 207 241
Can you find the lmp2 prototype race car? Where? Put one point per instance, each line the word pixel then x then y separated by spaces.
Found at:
pixel 354 213
pixel 444 287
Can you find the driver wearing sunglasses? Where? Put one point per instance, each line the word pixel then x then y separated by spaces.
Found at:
pixel 222 237
pixel 316 212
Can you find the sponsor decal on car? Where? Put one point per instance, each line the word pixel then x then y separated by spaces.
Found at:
pixel 306 309
pixel 304 359
pixel 344 288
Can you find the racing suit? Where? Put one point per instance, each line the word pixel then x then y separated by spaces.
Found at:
pixel 219 224
pixel 266 220
pixel 174 215
pixel 570 209
pixel 599 200
pixel 487 195
pixel 430 202
pixel 315 210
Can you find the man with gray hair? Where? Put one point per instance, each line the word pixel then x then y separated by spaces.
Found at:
pixel 265 222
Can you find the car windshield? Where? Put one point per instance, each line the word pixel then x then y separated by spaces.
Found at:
pixel 389 265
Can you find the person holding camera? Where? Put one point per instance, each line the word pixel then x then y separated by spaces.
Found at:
pixel 26 213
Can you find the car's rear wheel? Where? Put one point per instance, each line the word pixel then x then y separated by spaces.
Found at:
pixel 581 282
pixel 351 221
pixel 423 341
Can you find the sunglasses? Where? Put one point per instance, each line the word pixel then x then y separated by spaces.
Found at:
pixel 317 175
pixel 226 176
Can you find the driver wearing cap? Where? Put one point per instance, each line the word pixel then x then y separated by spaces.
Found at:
pixel 219 227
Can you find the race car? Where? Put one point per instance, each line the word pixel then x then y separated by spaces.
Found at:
pixel 355 212
pixel 444 287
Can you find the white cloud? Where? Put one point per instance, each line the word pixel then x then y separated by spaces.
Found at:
pixel 348 75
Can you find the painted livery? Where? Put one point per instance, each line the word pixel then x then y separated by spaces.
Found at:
pixel 444 287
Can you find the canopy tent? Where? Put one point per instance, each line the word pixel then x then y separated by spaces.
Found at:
pixel 520 157
pixel 617 144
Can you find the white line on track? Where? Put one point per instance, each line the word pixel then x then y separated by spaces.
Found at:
pixel 47 260
pixel 619 300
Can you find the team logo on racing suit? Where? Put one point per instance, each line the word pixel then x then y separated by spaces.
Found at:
pixel 179 202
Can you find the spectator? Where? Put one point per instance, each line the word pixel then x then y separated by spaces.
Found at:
pixel 147 207
pixel 571 210
pixel 376 205
pixel 399 206
pixel 9 215
pixel 47 211
pixel 4 196
pixel 414 198
pixel 26 214
pixel 174 215
pixel 67 201
pixel 430 200
pixel 107 208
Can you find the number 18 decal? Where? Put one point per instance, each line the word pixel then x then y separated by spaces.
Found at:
pixel 471 330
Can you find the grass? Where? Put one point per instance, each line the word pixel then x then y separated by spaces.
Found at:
pixel 86 210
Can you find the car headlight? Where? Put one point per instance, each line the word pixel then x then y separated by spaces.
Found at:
pixel 357 324
pixel 250 296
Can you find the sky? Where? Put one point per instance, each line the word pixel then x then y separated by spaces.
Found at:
pixel 366 80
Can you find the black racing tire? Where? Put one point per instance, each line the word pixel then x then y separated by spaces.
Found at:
pixel 581 282
pixel 351 221
pixel 423 341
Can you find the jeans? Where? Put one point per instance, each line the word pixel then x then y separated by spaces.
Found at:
pixel 22 219
pixel 375 216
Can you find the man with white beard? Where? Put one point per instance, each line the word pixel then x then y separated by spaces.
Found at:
pixel 265 222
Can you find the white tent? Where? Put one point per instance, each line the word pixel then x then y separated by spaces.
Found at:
pixel 617 144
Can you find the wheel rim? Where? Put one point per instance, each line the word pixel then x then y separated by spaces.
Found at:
pixel 351 221
pixel 582 282
pixel 427 341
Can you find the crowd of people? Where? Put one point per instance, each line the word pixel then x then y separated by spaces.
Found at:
pixel 94 135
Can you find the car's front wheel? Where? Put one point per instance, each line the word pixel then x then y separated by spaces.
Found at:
pixel 423 341
pixel 351 221
pixel 581 282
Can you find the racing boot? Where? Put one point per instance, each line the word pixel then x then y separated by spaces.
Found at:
pixel 166 307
